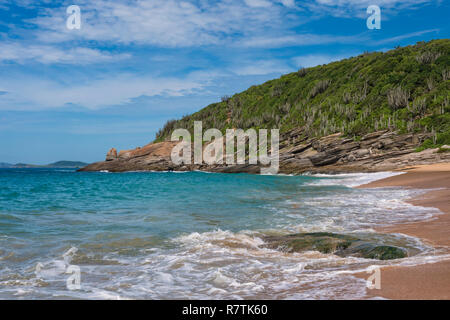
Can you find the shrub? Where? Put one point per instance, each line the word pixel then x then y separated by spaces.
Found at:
pixel 302 72
pixel 167 129
pixel 398 98
pixel 276 91
pixel 346 97
pixel 419 106
pixel 443 150
pixel 225 98
pixel 320 87
pixel 428 57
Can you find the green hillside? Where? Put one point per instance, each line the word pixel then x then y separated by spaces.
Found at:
pixel 406 89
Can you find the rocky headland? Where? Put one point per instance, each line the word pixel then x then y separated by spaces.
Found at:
pixel 368 113
pixel 377 151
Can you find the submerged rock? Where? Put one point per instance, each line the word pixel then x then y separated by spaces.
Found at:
pixel 373 251
pixel 321 241
pixel 338 244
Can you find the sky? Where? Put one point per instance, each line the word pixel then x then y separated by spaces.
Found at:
pixel 72 94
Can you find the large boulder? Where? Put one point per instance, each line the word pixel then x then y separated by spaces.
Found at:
pixel 338 244
pixel 111 155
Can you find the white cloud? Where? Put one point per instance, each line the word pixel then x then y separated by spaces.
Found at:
pixel 34 93
pixel 356 8
pixel 298 40
pixel 366 3
pixel 258 3
pixel 166 23
pixel 406 36
pixel 48 54
pixel 190 23
pixel 288 3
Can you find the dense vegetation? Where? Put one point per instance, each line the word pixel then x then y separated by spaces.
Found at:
pixel 406 89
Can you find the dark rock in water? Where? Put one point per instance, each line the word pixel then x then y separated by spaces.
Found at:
pixel 338 244
pixel 321 241
pixel 372 251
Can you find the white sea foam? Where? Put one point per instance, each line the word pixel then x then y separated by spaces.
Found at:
pixel 222 264
pixel 350 179
pixel 218 265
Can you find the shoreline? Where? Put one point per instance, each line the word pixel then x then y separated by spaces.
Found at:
pixel 429 281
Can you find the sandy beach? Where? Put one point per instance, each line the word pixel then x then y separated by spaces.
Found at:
pixel 428 281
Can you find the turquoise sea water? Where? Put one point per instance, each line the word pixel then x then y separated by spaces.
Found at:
pixel 148 235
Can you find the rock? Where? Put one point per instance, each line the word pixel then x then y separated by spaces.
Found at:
pixel 444 149
pixel 300 148
pixel 286 157
pixel 377 151
pixel 372 251
pixel 338 244
pixel 361 153
pixel 373 135
pixel 124 154
pixel 321 241
pixel 324 158
pixel 111 155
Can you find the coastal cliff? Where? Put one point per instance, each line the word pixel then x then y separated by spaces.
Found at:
pixel 377 111
pixel 377 151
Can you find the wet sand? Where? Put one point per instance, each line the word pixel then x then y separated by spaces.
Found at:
pixel 428 281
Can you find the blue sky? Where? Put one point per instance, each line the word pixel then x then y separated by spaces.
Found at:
pixel 74 94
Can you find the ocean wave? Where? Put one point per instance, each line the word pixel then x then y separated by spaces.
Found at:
pixel 157 236
pixel 349 179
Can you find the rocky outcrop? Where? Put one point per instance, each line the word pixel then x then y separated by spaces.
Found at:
pixel 377 151
pixel 111 155
pixel 152 157
pixel 338 244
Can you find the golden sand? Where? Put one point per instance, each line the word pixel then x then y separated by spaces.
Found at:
pixel 429 281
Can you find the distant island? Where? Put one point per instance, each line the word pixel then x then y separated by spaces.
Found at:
pixel 58 164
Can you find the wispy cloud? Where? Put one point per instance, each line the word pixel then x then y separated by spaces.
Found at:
pixel 299 40
pixel 406 36
pixel 352 8
pixel 47 54
pixel 114 31
pixel 35 93
pixel 167 23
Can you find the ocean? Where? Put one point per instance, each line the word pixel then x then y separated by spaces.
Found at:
pixel 193 235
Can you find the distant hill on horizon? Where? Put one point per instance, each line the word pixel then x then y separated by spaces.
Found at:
pixel 67 164
pixel 5 165
pixel 58 164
